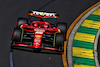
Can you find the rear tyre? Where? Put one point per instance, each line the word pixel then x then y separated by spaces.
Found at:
pixel 59 40
pixel 17 35
pixel 21 21
pixel 63 27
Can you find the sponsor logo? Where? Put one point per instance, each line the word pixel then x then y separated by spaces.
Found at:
pixel 38 35
pixel 37 40
pixel 43 13
pixel 39 32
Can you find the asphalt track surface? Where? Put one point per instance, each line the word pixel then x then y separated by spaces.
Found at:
pixel 10 10
pixel 98 49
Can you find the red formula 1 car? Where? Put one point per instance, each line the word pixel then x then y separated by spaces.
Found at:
pixel 39 34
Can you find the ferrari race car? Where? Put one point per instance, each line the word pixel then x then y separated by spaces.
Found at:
pixel 39 34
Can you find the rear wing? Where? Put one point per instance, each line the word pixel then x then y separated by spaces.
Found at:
pixel 43 14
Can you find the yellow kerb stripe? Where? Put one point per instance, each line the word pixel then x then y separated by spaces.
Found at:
pixel 84 37
pixel 81 52
pixel 76 65
pixel 69 31
pixel 97 12
pixel 91 24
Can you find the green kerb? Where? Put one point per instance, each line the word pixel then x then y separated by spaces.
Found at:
pixel 83 44
pixel 83 61
pixel 94 17
pixel 87 30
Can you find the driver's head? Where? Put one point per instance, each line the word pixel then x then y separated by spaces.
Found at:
pixel 36 24
pixel 45 25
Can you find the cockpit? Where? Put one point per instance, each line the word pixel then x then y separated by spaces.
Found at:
pixel 40 25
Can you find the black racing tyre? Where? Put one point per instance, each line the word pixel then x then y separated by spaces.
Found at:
pixel 59 40
pixel 62 26
pixel 21 21
pixel 17 35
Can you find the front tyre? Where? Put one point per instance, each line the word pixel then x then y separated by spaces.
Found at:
pixel 17 35
pixel 59 40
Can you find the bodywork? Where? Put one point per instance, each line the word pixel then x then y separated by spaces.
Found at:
pixel 38 34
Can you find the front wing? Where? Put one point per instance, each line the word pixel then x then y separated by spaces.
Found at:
pixel 41 47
